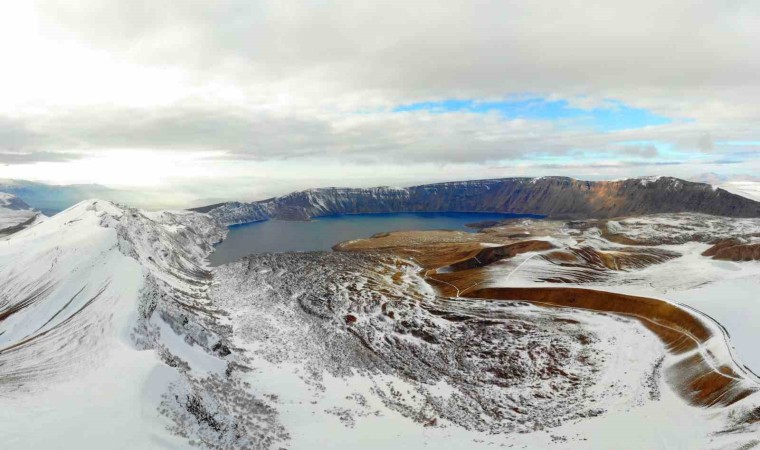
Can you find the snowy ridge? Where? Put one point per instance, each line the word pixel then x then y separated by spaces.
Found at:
pixel 84 295
pixel 10 201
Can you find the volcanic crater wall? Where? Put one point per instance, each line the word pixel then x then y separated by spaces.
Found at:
pixel 555 197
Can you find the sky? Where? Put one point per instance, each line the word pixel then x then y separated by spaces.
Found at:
pixel 201 101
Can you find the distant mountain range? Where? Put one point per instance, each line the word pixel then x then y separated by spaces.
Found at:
pixel 15 214
pixel 559 197
pixel 51 199
pixel 554 197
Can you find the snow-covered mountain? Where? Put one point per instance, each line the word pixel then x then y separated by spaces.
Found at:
pixel 115 333
pixel 15 214
pixel 108 337
pixel 556 197
pixel 52 198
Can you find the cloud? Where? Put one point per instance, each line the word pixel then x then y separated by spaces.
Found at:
pixel 643 151
pixel 249 82
pixel 607 165
pixel 236 133
pixel 15 135
pixel 705 143
pixel 649 51
pixel 33 157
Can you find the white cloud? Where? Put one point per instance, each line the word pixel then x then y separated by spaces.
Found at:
pixel 283 87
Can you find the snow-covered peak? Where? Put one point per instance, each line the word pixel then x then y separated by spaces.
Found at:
pixel 10 201
pixel 15 214
pixel 649 179
pixel 105 311
pixel 88 211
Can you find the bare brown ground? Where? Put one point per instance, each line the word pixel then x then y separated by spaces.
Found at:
pixel 429 249
pixel 618 238
pixel 457 268
pixel 734 250
pixel 720 245
pixel 620 259
pixel 410 239
pixel 438 248
pixel 454 284
pixel 490 255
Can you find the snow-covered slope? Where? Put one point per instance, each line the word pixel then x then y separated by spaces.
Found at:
pixel 108 338
pixel 15 215
pixel 114 333
pixel 360 353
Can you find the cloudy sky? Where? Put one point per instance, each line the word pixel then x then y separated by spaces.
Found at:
pixel 206 100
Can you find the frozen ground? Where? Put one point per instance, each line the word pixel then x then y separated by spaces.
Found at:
pixel 410 369
pixel 115 334
pixel 414 370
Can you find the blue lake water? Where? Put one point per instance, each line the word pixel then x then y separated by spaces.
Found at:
pixel 322 233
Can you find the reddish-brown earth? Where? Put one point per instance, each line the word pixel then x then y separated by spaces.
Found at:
pixel 490 255
pixel 734 250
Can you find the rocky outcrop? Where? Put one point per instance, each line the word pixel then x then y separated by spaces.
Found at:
pixel 555 197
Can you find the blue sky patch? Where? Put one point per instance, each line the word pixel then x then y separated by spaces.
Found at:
pixel 613 116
